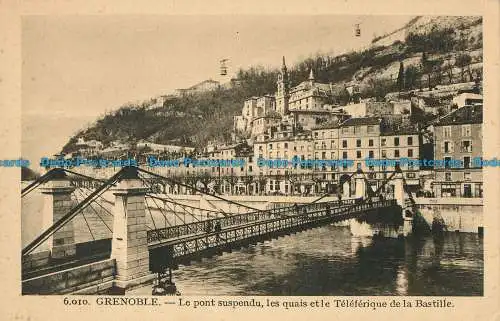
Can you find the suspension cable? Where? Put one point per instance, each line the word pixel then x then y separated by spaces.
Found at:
pixel 66 218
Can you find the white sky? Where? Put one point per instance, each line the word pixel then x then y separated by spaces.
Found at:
pixel 84 65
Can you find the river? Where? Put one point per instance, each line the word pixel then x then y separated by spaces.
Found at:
pixel 330 261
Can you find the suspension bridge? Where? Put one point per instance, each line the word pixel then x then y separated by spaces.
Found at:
pixel 137 233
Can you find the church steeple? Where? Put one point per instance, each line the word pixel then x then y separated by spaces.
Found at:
pixel 283 89
pixel 311 75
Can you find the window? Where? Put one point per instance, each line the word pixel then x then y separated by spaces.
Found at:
pixel 270 146
pixel 467 176
pixel 344 155
pixel 345 130
pixel 466 146
pixel 370 142
pixel 344 143
pixel 410 152
pixel 358 142
pixel 448 147
pixel 447 131
pixel 396 141
pixel 382 142
pixel 370 154
pixel 370 129
pixel 332 144
pixel 286 145
pixel 447 161
pixel 384 153
pixel 447 176
pixel 396 153
pixel 467 162
pixel 410 141
pixel 358 154
pixel 466 130
pixel 410 175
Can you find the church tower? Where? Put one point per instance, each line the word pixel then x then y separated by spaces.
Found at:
pixel 283 92
pixel 311 78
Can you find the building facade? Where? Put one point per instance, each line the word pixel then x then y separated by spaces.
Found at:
pixel 458 137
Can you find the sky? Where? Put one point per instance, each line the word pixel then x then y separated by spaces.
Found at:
pixel 76 68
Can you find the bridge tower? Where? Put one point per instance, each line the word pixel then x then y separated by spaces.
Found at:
pixel 129 243
pixel 56 203
pixel 360 191
pixel 400 197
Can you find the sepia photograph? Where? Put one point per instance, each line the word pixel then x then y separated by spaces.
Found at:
pixel 252 155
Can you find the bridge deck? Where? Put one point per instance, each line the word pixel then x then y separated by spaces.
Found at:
pixel 171 252
pixel 200 227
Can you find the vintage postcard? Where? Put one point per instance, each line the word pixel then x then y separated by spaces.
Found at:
pixel 299 160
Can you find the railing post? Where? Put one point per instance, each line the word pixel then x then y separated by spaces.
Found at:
pixel 57 203
pixel 129 243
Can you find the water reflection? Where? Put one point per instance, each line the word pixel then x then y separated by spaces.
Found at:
pixel 329 261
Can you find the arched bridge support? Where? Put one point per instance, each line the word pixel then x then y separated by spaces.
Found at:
pixel 129 243
pixel 56 203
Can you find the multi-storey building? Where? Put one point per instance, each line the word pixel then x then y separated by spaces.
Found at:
pixel 366 142
pixel 458 137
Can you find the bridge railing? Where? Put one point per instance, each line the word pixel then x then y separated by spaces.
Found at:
pixel 176 231
pixel 189 245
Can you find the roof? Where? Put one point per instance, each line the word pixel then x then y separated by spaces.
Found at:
pixel 402 130
pixel 327 125
pixel 317 110
pixel 361 121
pixel 465 115
pixel 470 95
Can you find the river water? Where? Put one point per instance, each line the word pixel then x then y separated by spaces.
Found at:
pixel 330 261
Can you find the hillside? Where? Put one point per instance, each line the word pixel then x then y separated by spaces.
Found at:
pixel 433 51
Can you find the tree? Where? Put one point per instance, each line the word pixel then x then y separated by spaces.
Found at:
pixel 411 76
pixel 437 70
pixel 378 88
pixel 426 68
pixel 448 70
pixel 463 60
pixel 401 77
pixel 344 97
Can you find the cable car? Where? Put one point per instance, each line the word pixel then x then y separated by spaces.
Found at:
pixel 223 67
pixel 357 31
